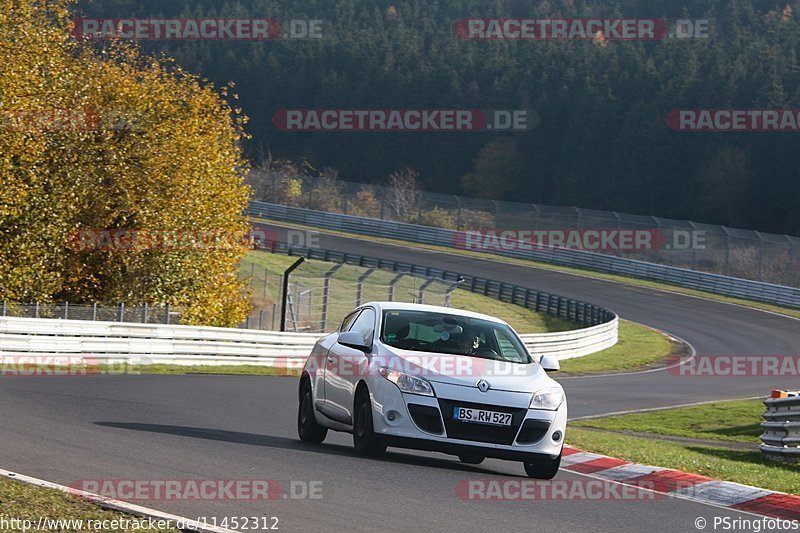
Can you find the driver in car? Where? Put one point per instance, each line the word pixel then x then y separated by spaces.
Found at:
pixel 468 342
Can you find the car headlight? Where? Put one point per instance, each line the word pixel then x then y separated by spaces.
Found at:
pixel 407 382
pixel 548 399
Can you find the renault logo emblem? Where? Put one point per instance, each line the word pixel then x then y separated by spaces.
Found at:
pixel 483 385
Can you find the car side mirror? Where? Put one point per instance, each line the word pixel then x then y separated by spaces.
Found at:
pixel 353 339
pixel 550 363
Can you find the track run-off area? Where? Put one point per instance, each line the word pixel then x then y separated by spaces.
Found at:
pixel 152 427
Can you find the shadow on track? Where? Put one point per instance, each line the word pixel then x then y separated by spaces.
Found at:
pixel 270 441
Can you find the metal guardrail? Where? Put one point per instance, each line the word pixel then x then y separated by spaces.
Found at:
pixel 138 344
pixel 713 283
pixel 781 438
pixel 130 343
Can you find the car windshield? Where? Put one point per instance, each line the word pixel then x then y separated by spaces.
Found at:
pixel 427 331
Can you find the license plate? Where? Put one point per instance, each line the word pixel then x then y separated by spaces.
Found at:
pixel 479 416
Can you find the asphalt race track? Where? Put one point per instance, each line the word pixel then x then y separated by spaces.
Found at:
pixel 66 429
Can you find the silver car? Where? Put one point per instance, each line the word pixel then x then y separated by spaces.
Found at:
pixel 434 378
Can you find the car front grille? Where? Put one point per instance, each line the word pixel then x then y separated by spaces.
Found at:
pixel 481 432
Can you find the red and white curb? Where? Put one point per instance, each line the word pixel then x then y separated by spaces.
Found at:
pixel 117 505
pixel 683 485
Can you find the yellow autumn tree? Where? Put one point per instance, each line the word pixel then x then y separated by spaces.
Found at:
pixel 102 141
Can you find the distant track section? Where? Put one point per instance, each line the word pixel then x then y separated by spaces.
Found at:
pixel 681 277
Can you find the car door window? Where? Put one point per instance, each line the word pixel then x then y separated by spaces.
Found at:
pixel 365 325
pixel 348 321
pixel 508 349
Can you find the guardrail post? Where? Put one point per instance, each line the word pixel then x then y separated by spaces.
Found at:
pixel 360 285
pixel 326 290
pixel 285 293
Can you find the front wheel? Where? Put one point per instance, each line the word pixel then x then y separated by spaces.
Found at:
pixel 545 469
pixel 308 428
pixel 364 439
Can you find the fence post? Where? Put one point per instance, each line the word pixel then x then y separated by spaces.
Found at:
pixel 449 291
pixel 36 310
pixel 792 262
pixel 392 285
pixel 694 248
pixel 144 313
pixel 166 309
pixel 759 271
pixel 360 285
pixel 94 311
pixel 121 312
pixel 66 310
pixel 727 250
pixel 4 307
pixel 326 289
pixel 285 293
pixel 422 289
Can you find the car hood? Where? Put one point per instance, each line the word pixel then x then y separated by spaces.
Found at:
pixel 468 370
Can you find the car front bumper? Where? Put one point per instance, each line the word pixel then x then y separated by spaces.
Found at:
pixel 534 435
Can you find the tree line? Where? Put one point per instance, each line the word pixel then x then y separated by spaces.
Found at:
pixel 601 140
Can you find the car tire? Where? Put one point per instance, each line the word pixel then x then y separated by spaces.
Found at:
pixel 364 439
pixel 471 459
pixel 543 469
pixel 308 429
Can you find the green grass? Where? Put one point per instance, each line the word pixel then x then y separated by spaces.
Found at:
pixel 735 421
pixel 26 502
pixel 639 347
pixel 569 270
pixel 716 424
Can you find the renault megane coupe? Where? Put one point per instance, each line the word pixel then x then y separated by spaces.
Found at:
pixel 434 378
